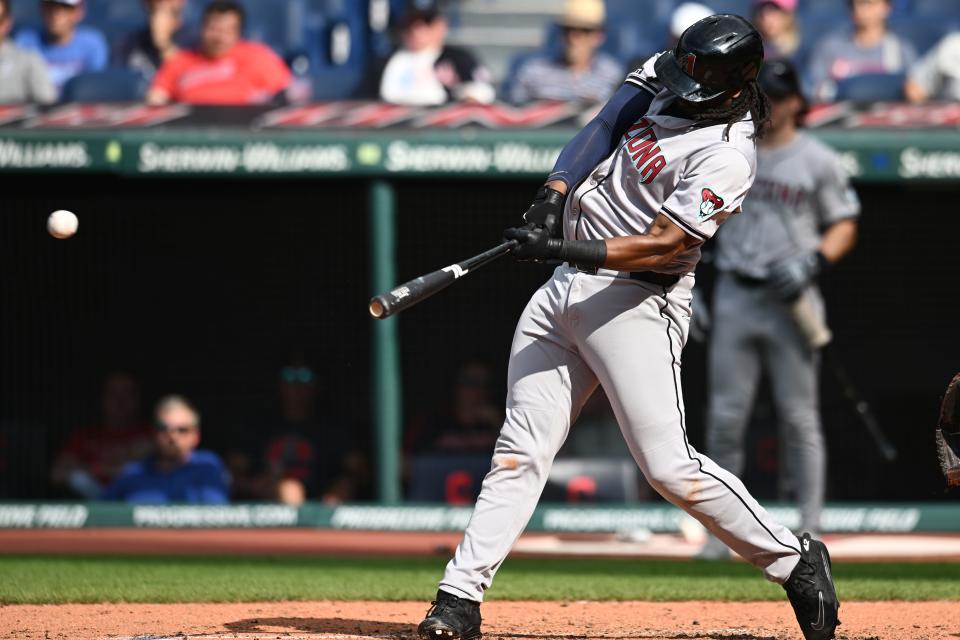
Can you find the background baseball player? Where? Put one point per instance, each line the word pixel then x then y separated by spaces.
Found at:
pixel 632 198
pixel 800 217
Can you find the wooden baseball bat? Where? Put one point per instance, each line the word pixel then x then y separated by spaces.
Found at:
pixel 818 336
pixel 410 293
pixel 811 323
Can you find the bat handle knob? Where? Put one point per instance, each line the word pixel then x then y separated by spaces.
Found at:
pixel 377 308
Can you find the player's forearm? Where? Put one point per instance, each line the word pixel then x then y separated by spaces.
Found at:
pixel 641 253
pixel 839 240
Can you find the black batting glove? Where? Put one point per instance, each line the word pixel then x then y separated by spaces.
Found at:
pixel 546 211
pixel 790 277
pixel 536 245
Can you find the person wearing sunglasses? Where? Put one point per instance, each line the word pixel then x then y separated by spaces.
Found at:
pixel 177 472
pixel 580 73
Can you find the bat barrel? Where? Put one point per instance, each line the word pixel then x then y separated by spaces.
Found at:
pixel 410 293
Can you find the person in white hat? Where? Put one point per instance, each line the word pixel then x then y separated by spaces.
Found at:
pixel 67 47
pixel 581 73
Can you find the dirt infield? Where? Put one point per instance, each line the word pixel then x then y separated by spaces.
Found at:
pixel 503 620
pixel 849 547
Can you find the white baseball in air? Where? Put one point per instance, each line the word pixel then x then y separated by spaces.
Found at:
pixel 62 224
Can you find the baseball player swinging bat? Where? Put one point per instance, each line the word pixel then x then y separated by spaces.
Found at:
pixel 410 293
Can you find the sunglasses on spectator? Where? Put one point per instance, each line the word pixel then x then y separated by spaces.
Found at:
pixel 303 375
pixel 580 30
pixel 181 429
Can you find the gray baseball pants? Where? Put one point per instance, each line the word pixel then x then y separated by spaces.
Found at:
pixel 579 330
pixel 753 332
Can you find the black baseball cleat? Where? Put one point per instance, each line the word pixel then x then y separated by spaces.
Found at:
pixel 811 591
pixel 451 618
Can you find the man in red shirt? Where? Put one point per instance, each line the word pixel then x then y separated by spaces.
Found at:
pixel 225 69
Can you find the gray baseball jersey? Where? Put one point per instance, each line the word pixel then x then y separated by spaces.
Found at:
pixel 803 185
pixel 682 168
pixel 583 329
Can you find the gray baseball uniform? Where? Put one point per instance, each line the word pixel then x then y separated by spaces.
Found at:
pixel 580 329
pixel 800 190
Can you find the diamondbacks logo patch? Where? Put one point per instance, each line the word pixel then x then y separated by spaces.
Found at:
pixel 711 203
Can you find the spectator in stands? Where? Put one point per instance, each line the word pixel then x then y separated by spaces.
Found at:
pixel 303 455
pixel 23 74
pixel 581 72
pixel 870 48
pixel 92 457
pixel 68 48
pixel 777 23
pixel 937 75
pixel 470 425
pixel 424 71
pixel 164 35
pixel 177 472
pixel 225 69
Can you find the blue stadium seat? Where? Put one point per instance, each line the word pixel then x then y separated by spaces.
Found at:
pixel 737 7
pixel 336 33
pixel 650 19
pixel 937 8
pixel 335 84
pixel 26 13
pixel 822 7
pixel 841 7
pixel 278 24
pixel 923 32
pixel 112 85
pixel 872 87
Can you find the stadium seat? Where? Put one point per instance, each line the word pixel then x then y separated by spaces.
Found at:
pixel 737 7
pixel 873 87
pixel 649 19
pixel 278 24
pixel 335 84
pixel 25 13
pixel 923 32
pixel 336 33
pixel 112 85
pixel 822 7
pixel 937 8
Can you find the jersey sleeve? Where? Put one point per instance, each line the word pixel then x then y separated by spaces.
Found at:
pixel 645 77
pixel 836 198
pixel 711 189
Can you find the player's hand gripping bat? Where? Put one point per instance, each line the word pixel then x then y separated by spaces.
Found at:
pixel 410 293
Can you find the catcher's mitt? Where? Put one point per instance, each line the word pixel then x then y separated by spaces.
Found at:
pixel 948 434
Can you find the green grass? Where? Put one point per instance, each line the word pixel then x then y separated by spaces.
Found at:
pixel 59 579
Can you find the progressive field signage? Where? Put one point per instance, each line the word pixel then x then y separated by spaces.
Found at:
pixel 838 518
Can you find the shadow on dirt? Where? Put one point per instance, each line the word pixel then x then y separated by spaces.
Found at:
pixel 344 626
pixel 405 630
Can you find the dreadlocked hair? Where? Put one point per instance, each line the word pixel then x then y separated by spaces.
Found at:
pixel 751 100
